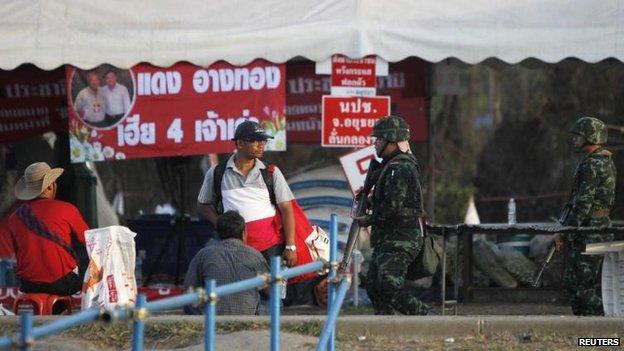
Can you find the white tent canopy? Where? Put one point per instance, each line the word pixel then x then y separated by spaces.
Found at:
pixel 50 33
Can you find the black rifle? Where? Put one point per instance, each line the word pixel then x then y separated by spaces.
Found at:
pixel 563 217
pixel 359 210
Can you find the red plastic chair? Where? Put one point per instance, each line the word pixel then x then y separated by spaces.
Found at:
pixel 43 304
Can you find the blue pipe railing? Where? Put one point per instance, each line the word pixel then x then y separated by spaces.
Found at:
pixel 274 303
pixel 208 295
pixel 329 329
pixel 140 313
pixel 210 313
pixel 333 271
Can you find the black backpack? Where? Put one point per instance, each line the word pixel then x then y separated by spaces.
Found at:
pixel 267 176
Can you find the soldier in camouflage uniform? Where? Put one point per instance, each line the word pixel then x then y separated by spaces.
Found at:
pixel 592 198
pixel 396 237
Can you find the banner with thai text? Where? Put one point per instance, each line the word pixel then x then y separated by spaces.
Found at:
pixel 348 120
pixel 405 84
pixel 32 102
pixel 148 111
pixel 351 77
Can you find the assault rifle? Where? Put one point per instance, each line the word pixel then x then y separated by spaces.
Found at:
pixel 359 210
pixel 563 217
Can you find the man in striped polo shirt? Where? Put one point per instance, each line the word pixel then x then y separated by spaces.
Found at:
pixel 243 189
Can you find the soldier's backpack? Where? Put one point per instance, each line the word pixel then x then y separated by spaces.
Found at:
pixel 428 260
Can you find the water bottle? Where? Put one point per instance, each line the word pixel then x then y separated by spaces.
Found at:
pixel 511 212
pixel 283 284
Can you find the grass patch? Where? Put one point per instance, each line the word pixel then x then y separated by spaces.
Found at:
pixel 157 335
pixel 352 310
pixel 311 328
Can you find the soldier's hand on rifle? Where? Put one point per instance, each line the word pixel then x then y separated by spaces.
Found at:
pixel 363 221
pixel 559 241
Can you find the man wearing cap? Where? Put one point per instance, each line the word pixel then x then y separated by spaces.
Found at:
pixel 243 183
pixel 41 230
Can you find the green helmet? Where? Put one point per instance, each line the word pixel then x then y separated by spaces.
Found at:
pixel 592 129
pixel 392 128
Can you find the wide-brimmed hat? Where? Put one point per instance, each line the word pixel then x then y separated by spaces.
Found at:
pixel 37 177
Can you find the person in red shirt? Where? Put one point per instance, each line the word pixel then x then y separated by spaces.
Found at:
pixel 41 231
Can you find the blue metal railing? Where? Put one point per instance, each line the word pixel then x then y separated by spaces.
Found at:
pixel 209 296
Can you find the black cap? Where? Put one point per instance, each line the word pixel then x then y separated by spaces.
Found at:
pixel 250 130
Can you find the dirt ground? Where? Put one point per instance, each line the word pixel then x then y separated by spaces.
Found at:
pixel 491 342
pixel 251 335
pixel 472 309
pixel 189 338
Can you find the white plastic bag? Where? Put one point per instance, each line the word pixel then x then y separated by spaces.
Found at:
pixel 109 280
pixel 318 244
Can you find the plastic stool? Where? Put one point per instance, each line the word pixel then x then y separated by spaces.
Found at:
pixel 42 303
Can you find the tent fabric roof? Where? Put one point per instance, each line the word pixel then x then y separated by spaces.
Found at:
pixel 85 34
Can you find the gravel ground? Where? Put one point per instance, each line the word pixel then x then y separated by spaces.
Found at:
pixel 255 335
pixel 259 340
pixel 491 342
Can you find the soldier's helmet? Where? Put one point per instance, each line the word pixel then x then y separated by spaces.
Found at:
pixel 592 129
pixel 392 128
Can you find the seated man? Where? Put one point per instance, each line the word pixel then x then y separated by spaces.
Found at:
pixel 41 231
pixel 228 260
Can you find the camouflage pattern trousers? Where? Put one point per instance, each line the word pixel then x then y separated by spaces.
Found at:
pixel 385 281
pixel 582 274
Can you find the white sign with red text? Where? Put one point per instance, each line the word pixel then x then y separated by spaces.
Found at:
pixel 355 165
pixel 353 77
pixel 349 121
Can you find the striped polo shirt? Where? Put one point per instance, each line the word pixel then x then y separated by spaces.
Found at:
pixel 249 196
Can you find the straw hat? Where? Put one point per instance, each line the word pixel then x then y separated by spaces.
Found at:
pixel 37 177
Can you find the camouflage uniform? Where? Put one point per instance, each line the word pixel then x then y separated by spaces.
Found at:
pixel 591 201
pixel 396 237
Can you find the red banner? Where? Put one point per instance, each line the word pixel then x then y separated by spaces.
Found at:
pixel 32 102
pixel 405 84
pixel 349 121
pixel 149 111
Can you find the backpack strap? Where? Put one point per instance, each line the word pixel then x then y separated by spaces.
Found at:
pixel 30 220
pixel 267 176
pixel 217 180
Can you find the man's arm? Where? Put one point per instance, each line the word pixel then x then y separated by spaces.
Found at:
pixel 288 223
pixel 79 105
pixel 284 198
pixel 209 212
pixel 205 198
pixel 261 267
pixel 78 225
pixel 126 100
pixel 192 280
